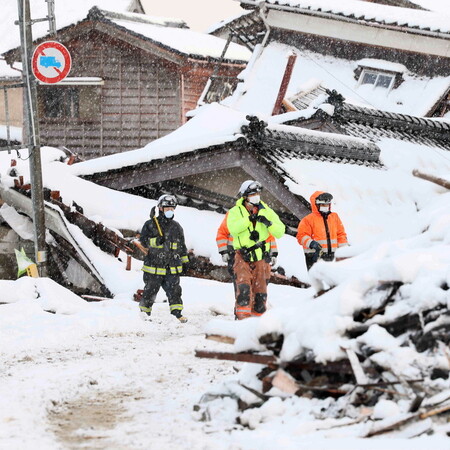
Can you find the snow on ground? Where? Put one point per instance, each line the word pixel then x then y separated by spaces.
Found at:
pixel 85 355
pixel 94 374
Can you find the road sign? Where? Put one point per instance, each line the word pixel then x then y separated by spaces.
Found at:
pixel 51 62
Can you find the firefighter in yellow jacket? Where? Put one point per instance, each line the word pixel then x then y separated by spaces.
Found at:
pixel 251 222
pixel 321 232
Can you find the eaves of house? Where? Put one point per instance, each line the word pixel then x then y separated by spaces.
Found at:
pixel 362 22
pixel 174 44
pixel 256 148
pixel 373 124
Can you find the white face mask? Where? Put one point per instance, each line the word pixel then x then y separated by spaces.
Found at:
pixel 254 199
pixel 169 214
pixel 324 208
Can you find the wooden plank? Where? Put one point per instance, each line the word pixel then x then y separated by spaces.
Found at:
pixel 222 339
pixel 286 383
pixel 432 178
pixel 389 425
pixel 241 357
pixel 284 83
pixel 356 367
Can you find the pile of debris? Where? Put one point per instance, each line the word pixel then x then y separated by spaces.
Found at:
pixel 119 243
pixel 362 375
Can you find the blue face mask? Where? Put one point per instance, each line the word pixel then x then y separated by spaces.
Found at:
pixel 169 214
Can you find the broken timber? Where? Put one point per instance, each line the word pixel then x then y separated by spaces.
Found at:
pixel 384 427
pixel 342 366
pixel 432 178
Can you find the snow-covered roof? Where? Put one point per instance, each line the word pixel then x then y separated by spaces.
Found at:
pixel 225 22
pixel 369 12
pixel 178 38
pixel 217 125
pixel 185 41
pixel 381 64
pixel 439 6
pixel 262 79
pixel 66 13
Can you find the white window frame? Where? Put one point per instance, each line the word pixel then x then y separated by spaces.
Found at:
pixel 378 73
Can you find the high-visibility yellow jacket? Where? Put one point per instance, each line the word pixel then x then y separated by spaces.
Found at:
pixel 224 240
pixel 328 231
pixel 241 227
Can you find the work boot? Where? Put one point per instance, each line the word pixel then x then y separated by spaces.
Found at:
pixel 179 316
pixel 145 316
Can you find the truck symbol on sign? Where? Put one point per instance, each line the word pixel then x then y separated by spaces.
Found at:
pixel 49 61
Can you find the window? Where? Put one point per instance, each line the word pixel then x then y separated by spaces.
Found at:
pixel 70 102
pixel 61 103
pixel 377 79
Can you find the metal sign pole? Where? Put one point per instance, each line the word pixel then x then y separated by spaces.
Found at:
pixel 34 147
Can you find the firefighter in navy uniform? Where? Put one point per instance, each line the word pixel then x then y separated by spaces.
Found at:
pixel 166 258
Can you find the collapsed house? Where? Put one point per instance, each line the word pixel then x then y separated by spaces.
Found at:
pixel 387 56
pixel 378 364
pixel 279 126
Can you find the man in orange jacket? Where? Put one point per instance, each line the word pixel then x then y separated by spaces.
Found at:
pixel 321 232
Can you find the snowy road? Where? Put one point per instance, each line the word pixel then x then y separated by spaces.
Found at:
pixel 133 390
pixel 95 376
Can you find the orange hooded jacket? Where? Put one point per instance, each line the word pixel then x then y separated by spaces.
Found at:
pixel 224 240
pixel 314 227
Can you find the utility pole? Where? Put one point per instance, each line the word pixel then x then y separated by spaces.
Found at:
pixel 34 146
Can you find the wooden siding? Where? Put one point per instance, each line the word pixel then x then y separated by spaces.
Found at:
pixel 193 86
pixel 140 100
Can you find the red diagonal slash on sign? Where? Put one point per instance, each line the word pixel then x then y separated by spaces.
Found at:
pixel 60 73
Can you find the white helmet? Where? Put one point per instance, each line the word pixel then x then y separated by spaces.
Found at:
pixel 249 187
pixel 167 200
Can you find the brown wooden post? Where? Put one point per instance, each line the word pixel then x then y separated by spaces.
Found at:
pixel 128 263
pixel 284 84
pixel 432 178
pixel 55 195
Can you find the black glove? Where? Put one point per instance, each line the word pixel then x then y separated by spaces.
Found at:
pixel 264 220
pixel 225 256
pixel 186 267
pixel 160 240
pixel 317 250
pixel 254 235
pixel 253 217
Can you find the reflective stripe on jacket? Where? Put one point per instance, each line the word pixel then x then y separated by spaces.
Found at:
pixel 313 227
pixel 224 240
pixel 240 227
pixel 168 257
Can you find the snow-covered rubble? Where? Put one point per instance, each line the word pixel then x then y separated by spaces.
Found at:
pixel 390 305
